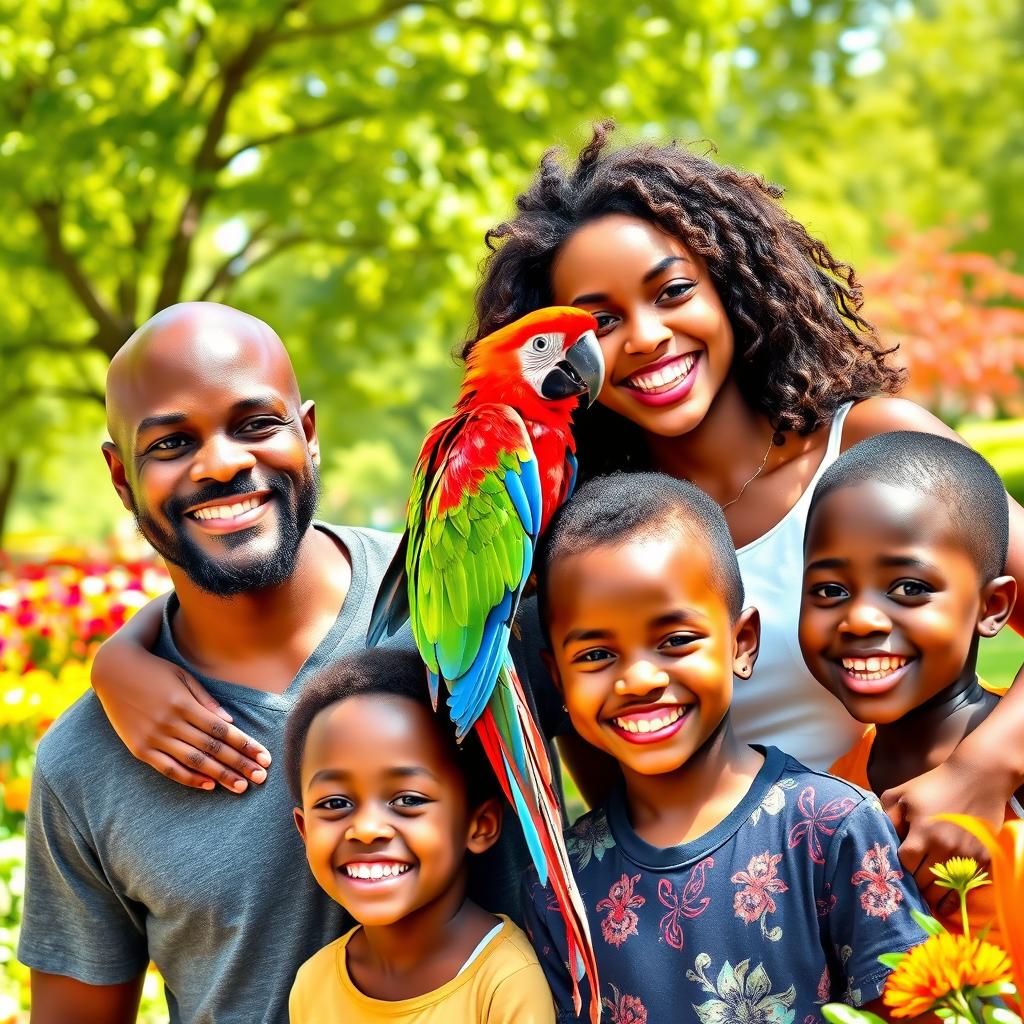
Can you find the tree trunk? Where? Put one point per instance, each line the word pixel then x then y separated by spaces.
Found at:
pixel 8 478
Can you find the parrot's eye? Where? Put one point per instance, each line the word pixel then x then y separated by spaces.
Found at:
pixel 540 343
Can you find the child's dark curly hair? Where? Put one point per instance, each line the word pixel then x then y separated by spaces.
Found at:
pixel 802 347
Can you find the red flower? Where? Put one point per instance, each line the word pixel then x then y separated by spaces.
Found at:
pixel 824 821
pixel 880 898
pixel 759 881
pixel 625 1009
pixel 620 921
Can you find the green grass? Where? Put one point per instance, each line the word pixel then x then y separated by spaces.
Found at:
pixel 1002 443
pixel 1000 658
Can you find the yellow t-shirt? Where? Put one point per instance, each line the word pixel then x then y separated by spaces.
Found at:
pixel 503 985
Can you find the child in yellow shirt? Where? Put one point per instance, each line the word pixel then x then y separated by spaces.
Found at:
pixel 904 557
pixel 390 807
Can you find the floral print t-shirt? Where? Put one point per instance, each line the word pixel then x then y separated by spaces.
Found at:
pixel 785 905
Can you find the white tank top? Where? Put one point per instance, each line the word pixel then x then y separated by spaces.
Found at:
pixel 782 704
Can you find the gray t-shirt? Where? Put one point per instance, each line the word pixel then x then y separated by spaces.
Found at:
pixel 125 866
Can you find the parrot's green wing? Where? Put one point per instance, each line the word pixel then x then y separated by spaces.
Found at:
pixel 474 516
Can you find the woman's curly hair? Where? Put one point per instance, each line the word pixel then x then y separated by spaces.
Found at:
pixel 802 347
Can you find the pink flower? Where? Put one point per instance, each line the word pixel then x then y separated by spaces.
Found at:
pixel 620 922
pixel 759 882
pixel 880 898
pixel 689 904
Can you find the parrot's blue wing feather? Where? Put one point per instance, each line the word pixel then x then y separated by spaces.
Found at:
pixel 518 486
pixel 574 466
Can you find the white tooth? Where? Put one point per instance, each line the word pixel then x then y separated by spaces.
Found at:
pixel 376 871
pixel 631 726
pixel 873 664
pixel 237 510
pixel 859 664
pixel 643 725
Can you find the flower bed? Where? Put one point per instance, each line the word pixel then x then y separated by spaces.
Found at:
pixel 53 617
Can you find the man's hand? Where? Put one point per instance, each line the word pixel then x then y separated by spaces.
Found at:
pixel 952 787
pixel 60 1000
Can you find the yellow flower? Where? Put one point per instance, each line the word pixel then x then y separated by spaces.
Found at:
pixel 943 964
pixel 1006 847
pixel 960 873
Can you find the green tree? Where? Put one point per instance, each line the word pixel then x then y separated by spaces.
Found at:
pixel 332 168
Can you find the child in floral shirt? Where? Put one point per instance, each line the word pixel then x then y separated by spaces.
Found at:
pixel 723 883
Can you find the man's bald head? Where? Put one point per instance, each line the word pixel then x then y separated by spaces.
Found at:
pixel 190 339
pixel 212 450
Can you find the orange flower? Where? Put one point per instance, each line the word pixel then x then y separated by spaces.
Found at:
pixel 941 965
pixel 1006 848
pixel 16 795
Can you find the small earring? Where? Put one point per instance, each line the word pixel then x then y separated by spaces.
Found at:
pixel 565 709
pixel 745 671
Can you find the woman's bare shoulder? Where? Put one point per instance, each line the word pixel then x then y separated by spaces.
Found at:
pixel 884 413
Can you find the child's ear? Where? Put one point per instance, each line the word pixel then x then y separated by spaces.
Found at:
pixel 746 634
pixel 552 666
pixel 485 825
pixel 998 597
pixel 300 821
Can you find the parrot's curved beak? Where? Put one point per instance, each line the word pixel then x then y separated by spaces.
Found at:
pixel 580 372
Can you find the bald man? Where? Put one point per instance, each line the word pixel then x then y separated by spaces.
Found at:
pixel 214 452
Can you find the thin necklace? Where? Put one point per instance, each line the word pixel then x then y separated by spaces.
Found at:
pixel 776 439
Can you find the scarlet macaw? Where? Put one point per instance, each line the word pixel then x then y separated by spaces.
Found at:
pixel 485 486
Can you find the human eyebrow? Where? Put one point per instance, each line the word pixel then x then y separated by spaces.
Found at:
pixel 826 563
pixel 589 299
pixel 411 771
pixel 581 635
pixel 169 419
pixel 907 562
pixel 266 402
pixel 680 616
pixel 662 266
pixel 329 775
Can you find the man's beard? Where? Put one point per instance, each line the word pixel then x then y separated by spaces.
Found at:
pixel 296 506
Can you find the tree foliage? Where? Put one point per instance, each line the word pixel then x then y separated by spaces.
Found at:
pixel 332 168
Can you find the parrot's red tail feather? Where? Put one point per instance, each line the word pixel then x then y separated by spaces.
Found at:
pixel 516 751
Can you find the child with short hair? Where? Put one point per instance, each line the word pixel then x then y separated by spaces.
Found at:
pixel 389 807
pixel 904 573
pixel 723 882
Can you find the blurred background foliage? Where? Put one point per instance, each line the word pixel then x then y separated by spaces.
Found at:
pixel 332 168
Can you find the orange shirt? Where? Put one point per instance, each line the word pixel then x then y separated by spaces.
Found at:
pixel 853 766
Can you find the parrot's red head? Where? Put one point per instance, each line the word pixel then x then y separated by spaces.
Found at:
pixel 540 365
